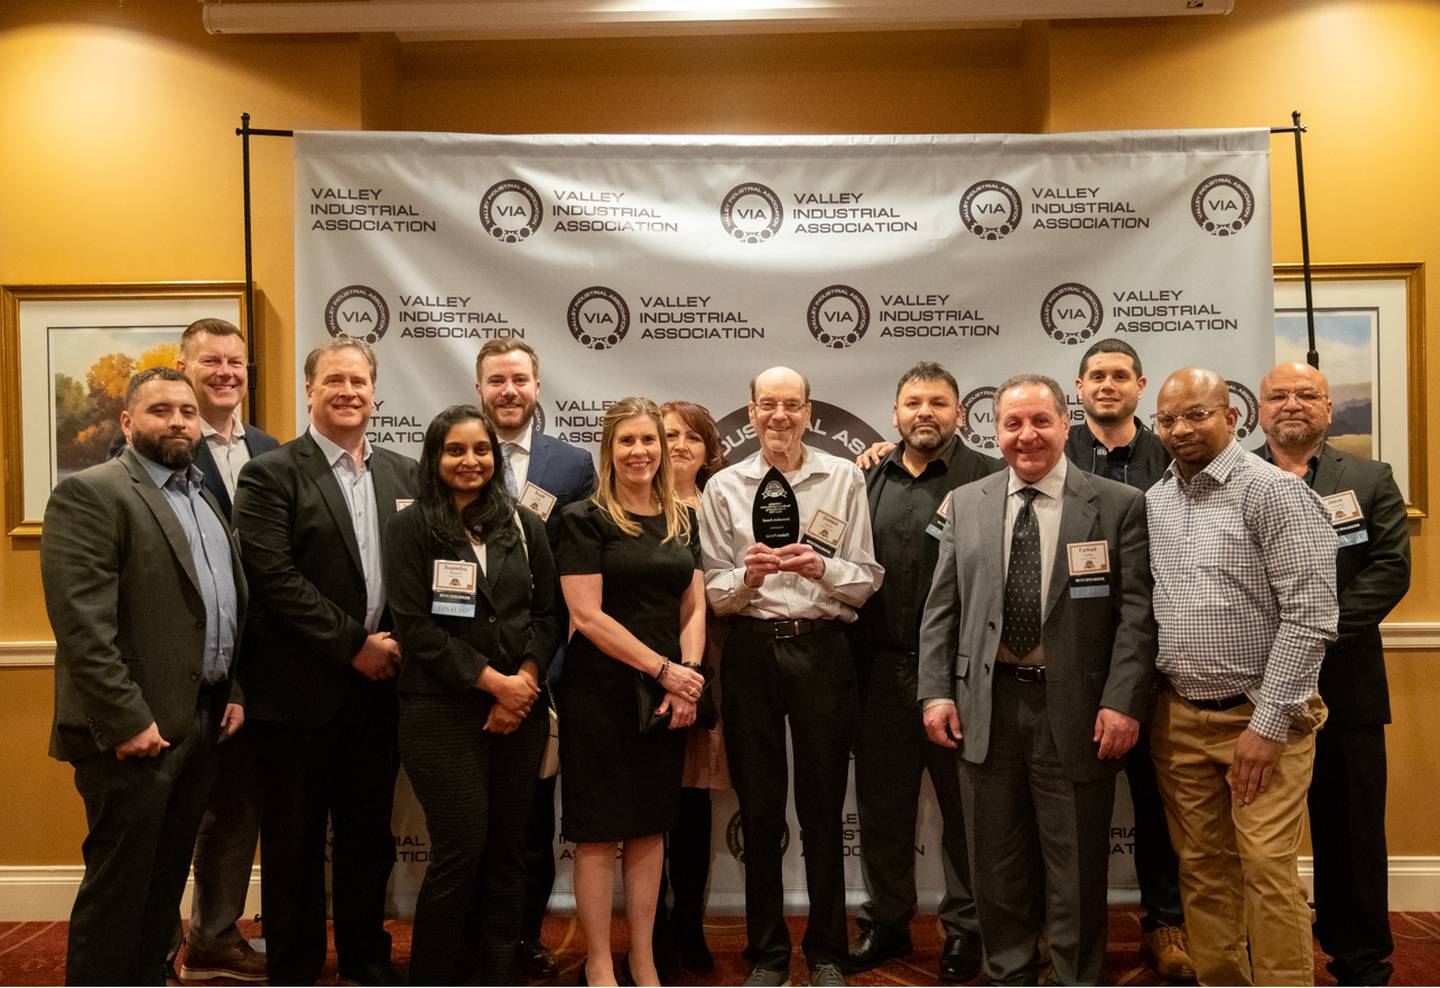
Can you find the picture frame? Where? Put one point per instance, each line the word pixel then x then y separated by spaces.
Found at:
pixel 1370 335
pixel 66 353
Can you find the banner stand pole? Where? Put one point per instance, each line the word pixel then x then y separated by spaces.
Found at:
pixel 245 132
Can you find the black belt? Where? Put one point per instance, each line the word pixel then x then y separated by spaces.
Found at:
pixel 1224 703
pixel 1025 674
pixel 781 629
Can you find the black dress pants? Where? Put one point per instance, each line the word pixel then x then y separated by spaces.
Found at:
pixel 809 679
pixel 475 788
pixel 1347 832
pixel 143 814
pixel 539 849
pixel 1157 869
pixel 343 771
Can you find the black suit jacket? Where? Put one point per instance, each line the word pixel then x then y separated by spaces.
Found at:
pixel 256 442
pixel 514 617
pixel 126 608
pixel 1370 578
pixel 303 562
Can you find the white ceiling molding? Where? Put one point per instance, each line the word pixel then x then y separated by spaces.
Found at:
pixel 429 20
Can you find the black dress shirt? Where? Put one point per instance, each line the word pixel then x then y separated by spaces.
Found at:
pixel 1139 463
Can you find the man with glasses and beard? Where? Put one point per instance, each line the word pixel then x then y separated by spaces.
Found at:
pixel 1112 443
pixel 145 593
pixel 1243 556
pixel 908 491
pixel 1347 793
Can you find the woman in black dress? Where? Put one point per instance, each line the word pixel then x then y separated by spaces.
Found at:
pixel 629 567
pixel 471 583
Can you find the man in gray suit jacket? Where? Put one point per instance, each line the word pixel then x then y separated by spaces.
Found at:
pixel 145 593
pixel 1040 679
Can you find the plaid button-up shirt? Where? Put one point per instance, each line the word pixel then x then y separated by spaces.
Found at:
pixel 1243 556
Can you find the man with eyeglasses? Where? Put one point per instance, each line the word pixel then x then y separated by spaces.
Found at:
pixel 786 657
pixel 1243 556
pixel 1347 794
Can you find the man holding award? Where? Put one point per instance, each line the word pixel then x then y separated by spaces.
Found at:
pixel 788 552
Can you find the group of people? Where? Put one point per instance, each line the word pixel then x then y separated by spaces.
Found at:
pixel 253 637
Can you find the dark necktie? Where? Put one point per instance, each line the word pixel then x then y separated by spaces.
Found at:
pixel 1021 630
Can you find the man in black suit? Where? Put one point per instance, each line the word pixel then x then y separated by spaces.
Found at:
pixel 311 514
pixel 1347 790
pixel 213 358
pixel 1037 655
pixel 145 592
pixel 547 474
pixel 908 491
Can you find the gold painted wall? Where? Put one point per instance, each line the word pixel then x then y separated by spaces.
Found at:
pixel 117 163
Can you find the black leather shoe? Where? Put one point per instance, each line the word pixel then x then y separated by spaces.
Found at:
pixel 960 961
pixel 536 961
pixel 876 945
pixel 379 973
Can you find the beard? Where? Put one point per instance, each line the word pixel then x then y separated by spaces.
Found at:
pixel 924 439
pixel 1106 417
pixel 1298 435
pixel 172 456
pixel 527 412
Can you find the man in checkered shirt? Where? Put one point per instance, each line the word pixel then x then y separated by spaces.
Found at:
pixel 1243 556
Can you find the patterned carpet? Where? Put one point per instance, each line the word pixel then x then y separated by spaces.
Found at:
pixel 34 953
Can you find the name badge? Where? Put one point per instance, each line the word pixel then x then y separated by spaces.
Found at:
pixel 453 591
pixel 936 528
pixel 538 500
pixel 401 503
pixel 824 533
pixel 1346 517
pixel 1089 568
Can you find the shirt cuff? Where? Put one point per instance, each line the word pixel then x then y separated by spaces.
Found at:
pixel 935 701
pixel 1271 722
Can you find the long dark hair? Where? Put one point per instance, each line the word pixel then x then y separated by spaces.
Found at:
pixel 490 517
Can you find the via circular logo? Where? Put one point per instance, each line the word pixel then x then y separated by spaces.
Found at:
pixel 511 211
pixel 1222 205
pixel 1071 313
pixel 358 312
pixel 598 318
pixel 735 838
pixel 977 418
pixel 838 317
pixel 751 213
pixel 991 209
pixel 1242 399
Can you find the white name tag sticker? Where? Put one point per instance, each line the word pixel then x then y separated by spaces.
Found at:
pixel 538 500
pixel 1088 558
pixel 824 532
pixel 1346 516
pixel 401 503
pixel 452 591
pixel 936 528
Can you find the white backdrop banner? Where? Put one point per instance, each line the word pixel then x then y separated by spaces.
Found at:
pixel 679 266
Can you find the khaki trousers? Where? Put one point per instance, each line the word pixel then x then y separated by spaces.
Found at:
pixel 1245 911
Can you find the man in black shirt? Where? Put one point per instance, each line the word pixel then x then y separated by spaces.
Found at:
pixel 907 490
pixel 1111 442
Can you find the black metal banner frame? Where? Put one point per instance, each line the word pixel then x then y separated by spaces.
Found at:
pixel 245 132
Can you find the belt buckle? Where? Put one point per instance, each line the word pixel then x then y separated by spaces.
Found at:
pixel 1030 674
pixel 793 627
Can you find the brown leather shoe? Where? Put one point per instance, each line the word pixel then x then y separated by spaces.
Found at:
pixel 238 962
pixel 1169 953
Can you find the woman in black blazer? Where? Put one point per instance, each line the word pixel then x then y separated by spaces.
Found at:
pixel 471 584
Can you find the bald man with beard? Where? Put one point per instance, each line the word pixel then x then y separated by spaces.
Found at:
pixel 1243 556
pixel 1347 794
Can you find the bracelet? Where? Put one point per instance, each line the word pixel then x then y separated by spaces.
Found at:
pixel 664 668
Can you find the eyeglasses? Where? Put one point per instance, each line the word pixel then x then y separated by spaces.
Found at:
pixel 1196 415
pixel 791 405
pixel 1305 396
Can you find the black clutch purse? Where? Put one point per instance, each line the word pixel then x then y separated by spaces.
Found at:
pixel 649 695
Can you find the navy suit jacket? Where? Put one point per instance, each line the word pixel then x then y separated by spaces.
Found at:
pixel 566 471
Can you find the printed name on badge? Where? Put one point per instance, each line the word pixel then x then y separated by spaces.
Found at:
pixel 1346 516
pixel 824 532
pixel 538 500
pixel 453 590
pixel 1088 558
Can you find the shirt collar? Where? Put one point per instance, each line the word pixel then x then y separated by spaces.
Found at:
pixel 162 475
pixel 1096 440
pixel 1218 469
pixel 756 467
pixel 896 458
pixel 333 452
pixel 523 441
pixel 237 430
pixel 1051 485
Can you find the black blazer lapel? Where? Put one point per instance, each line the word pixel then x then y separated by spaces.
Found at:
pixel 1077 523
pixel 205 460
pixel 1329 471
pixel 154 499
pixel 314 466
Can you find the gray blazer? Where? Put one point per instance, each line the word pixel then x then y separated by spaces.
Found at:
pixel 125 604
pixel 1099 650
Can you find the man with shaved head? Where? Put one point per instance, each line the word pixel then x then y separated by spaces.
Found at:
pixel 786 656
pixel 1243 556
pixel 1347 794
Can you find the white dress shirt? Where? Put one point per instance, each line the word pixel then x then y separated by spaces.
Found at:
pixel 822 482
pixel 229 457
pixel 519 458
pixel 357 484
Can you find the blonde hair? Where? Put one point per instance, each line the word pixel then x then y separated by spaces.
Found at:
pixel 607 494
